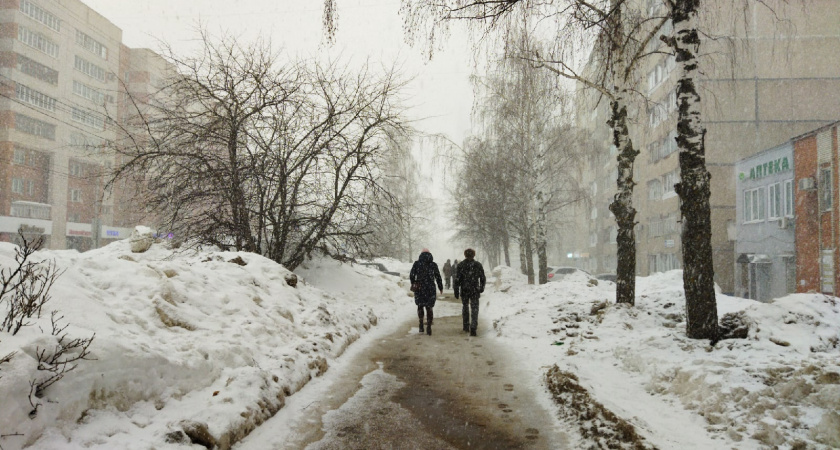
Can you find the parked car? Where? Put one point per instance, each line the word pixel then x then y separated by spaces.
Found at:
pixel 560 272
pixel 606 277
pixel 380 267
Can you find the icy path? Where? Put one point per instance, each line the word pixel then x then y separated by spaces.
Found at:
pixel 399 389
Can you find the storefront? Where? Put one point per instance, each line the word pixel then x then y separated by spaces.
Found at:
pixel 765 266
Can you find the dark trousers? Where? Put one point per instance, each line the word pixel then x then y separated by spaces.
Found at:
pixel 469 311
pixel 428 313
pixel 448 279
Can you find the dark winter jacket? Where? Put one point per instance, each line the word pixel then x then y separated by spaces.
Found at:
pixel 469 279
pixel 425 271
pixel 447 270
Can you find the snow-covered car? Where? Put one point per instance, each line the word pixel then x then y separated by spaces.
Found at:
pixel 380 267
pixel 606 277
pixel 559 273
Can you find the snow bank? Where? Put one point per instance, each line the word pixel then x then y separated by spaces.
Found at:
pixel 778 387
pixel 185 343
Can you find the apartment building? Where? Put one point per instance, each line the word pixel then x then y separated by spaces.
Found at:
pixel 769 74
pixel 62 67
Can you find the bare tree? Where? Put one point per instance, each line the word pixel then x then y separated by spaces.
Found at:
pixel 246 151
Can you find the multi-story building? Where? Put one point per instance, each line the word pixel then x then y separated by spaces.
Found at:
pixel 60 70
pixel 769 74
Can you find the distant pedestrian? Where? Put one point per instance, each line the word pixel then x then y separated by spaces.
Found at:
pixel 454 271
pixel 447 273
pixel 425 272
pixel 469 284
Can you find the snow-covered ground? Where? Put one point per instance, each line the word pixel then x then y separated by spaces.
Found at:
pixel 183 340
pixel 190 341
pixel 779 387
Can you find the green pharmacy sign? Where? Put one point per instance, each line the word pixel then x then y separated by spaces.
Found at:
pixel 762 170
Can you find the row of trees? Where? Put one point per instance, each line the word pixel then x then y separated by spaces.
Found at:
pixel 620 32
pixel 519 172
pixel 244 150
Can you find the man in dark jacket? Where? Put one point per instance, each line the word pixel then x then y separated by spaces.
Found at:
pixel 425 272
pixel 469 284
pixel 447 273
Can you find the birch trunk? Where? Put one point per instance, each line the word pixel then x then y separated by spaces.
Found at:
pixel 694 186
pixel 542 257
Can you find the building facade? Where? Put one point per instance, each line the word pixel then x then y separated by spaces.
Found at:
pixel 62 70
pixel 769 73
pixel 765 265
pixel 817 219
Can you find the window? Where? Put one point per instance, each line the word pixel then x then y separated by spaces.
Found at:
pixel 593 239
pixel 39 14
pixel 774 195
pixel 35 127
pixel 75 195
pixel 34 97
pixel 20 156
pixel 76 170
pixel 754 205
pixel 92 45
pixel 30 210
pixel 83 90
pixel 17 185
pixel 825 189
pixel 654 190
pixel 88 118
pixel 669 180
pixel 36 70
pixel 613 235
pixel 37 41
pixel 788 198
pixel 827 271
pixel 88 68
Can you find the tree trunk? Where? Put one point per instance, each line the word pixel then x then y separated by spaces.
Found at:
pixel 506 247
pixel 523 260
pixel 622 205
pixel 529 256
pixel 694 186
pixel 542 257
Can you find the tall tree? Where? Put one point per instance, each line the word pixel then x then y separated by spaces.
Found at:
pixel 694 187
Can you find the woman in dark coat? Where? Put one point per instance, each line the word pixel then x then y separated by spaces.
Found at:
pixel 425 272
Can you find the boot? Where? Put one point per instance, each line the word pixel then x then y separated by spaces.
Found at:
pixel 472 331
pixel 429 328
pixel 421 325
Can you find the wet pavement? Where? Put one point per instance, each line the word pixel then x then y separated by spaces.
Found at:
pixel 445 391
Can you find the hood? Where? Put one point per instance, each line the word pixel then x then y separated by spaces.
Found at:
pixel 425 257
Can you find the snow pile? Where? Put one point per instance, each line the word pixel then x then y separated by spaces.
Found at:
pixel 199 346
pixel 778 387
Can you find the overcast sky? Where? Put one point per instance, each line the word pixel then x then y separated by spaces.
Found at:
pixel 440 93
pixel 368 29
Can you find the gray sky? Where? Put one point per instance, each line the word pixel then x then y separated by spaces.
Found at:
pixel 368 29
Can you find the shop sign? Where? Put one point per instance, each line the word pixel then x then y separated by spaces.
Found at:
pixel 669 243
pixel 79 229
pixel 768 168
pixel 30 229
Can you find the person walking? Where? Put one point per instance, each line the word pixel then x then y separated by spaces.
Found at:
pixel 454 271
pixel 468 285
pixel 425 273
pixel 447 273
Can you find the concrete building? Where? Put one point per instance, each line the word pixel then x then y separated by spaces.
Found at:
pixel 764 239
pixel 60 92
pixel 770 74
